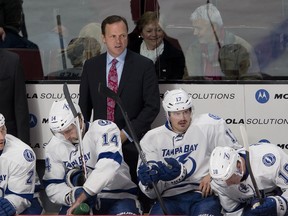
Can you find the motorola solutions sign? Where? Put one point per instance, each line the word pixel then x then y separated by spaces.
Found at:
pixel 266 113
pixel 262 96
pixel 263 107
pixel 213 96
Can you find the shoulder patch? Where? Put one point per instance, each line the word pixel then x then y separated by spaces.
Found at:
pixel 243 188
pixel 268 159
pixel 214 116
pixel 28 155
pixel 104 122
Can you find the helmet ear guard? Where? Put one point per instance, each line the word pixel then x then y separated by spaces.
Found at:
pixel 223 163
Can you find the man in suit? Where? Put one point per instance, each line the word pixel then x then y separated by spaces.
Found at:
pixel 13 101
pixel 137 83
pixel 137 87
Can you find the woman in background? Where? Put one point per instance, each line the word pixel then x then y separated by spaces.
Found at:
pixel 169 61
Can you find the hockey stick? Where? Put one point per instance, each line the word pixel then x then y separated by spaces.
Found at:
pixel 75 114
pixel 105 91
pixel 246 146
pixel 212 25
pixel 60 33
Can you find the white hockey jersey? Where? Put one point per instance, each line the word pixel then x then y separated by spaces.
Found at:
pixel 108 174
pixel 193 149
pixel 17 173
pixel 269 164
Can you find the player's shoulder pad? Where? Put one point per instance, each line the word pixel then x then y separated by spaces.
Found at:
pixel 20 150
pixel 29 155
pixel 103 125
pixel 268 153
pixel 208 118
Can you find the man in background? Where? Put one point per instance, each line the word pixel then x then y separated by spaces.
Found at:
pixel 202 56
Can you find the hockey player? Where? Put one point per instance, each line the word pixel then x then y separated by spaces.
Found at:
pixel 232 181
pixel 178 157
pixel 108 182
pixel 17 176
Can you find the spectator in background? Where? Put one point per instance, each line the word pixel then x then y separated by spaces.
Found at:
pixel 10 16
pixel 86 45
pixel 234 61
pixel 81 49
pixel 138 8
pixel 169 61
pixel 78 51
pixel 13 101
pixel 202 55
pixel 93 30
pixel 11 24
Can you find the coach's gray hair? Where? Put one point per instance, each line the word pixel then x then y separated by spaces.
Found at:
pixel 201 13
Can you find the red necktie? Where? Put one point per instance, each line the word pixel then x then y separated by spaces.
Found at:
pixel 113 85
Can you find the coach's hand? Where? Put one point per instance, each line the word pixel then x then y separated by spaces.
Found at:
pixel 272 205
pixel 6 208
pixel 148 174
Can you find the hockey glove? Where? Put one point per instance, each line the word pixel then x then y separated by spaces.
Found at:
pixel 272 205
pixel 71 196
pixel 147 174
pixel 173 171
pixel 6 208
pixel 75 177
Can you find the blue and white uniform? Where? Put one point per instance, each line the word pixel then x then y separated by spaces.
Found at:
pixel 17 173
pixel 192 149
pixel 269 164
pixel 108 174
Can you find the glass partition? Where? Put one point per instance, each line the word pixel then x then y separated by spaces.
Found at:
pixel 222 40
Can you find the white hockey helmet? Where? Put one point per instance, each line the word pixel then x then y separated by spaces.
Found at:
pixel 223 163
pixel 61 116
pixel 2 120
pixel 176 100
